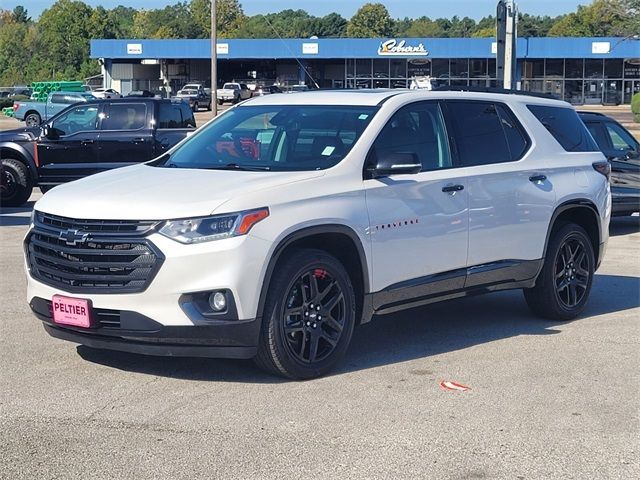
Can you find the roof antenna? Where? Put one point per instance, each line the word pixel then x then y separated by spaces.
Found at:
pixel 291 52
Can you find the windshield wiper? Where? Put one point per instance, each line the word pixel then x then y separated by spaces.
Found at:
pixel 235 166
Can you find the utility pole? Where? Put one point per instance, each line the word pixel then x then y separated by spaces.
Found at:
pixel 214 59
pixel 506 37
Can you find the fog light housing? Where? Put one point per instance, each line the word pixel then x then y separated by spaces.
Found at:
pixel 217 301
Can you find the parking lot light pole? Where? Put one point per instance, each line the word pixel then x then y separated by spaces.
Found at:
pixel 214 59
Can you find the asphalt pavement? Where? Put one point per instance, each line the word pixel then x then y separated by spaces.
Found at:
pixel 546 400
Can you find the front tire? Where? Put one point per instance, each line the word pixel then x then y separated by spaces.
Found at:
pixel 195 107
pixel 563 286
pixel 16 184
pixel 309 316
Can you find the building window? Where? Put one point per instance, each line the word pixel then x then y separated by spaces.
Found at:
pixel 613 68
pixel 631 70
pixel 478 68
pixel 440 68
pixel 593 68
pixel 534 69
pixel 459 68
pixel 574 68
pixel 554 67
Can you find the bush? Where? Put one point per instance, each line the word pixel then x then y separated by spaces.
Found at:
pixel 635 107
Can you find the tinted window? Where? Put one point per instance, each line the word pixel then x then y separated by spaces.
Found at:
pixel 187 116
pixel 275 137
pixel 170 116
pixel 598 132
pixel 419 129
pixel 77 119
pixel 125 116
pixel 479 133
pixel 59 98
pixel 516 138
pixel 566 127
pixel 620 138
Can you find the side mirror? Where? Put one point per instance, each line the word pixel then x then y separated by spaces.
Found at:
pixel 51 133
pixel 396 163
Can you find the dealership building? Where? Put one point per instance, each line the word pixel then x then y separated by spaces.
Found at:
pixel 580 70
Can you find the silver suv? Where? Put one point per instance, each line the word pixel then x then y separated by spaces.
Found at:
pixel 277 228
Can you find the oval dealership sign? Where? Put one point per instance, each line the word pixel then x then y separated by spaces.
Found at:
pixel 393 47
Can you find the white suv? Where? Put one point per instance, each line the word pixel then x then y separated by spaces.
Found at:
pixel 284 223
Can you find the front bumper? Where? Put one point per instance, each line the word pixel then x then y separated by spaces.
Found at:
pixel 129 331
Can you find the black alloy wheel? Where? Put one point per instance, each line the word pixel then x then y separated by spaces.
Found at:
pixel 562 288
pixel 309 315
pixel 8 184
pixel 572 275
pixel 314 315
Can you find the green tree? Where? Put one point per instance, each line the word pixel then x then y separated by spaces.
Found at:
pixel 600 18
pixel 332 25
pixel 370 21
pixel 229 17
pixel 65 30
pixel 20 14
pixel 463 28
pixel 424 27
pixel 172 21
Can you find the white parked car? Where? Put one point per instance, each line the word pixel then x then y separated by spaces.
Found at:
pixel 106 93
pixel 233 92
pixel 280 226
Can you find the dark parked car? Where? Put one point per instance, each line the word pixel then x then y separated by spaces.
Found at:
pixel 88 138
pixel 623 152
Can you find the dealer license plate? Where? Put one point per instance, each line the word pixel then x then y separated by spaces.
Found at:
pixel 71 311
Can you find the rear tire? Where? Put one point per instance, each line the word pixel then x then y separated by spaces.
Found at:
pixel 195 107
pixel 563 286
pixel 220 102
pixel 16 183
pixel 33 119
pixel 309 316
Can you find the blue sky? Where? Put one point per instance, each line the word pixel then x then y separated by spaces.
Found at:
pixel 398 8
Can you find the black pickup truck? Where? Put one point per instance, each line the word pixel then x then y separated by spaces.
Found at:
pixel 88 138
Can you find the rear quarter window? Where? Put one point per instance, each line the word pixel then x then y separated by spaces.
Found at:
pixel 566 127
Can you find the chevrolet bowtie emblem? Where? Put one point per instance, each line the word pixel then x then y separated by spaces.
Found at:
pixel 73 237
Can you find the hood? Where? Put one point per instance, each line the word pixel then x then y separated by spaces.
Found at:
pixel 142 192
pixel 20 135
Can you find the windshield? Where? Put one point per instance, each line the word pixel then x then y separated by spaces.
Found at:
pixel 275 137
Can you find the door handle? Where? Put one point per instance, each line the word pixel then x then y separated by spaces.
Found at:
pixel 537 178
pixel 138 140
pixel 86 142
pixel 452 188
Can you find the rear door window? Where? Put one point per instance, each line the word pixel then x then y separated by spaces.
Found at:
pixel 125 116
pixel 170 116
pixel 486 133
pixel 599 133
pixel 566 127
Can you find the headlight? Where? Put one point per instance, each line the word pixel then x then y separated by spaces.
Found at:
pixel 205 229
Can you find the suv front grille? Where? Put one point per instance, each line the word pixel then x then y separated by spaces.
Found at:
pixel 83 256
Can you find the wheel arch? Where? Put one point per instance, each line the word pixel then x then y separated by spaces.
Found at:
pixel 581 212
pixel 338 240
pixel 18 152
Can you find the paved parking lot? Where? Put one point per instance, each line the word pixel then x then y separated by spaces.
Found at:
pixel 547 400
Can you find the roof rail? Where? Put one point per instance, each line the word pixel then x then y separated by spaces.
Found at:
pixel 459 88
